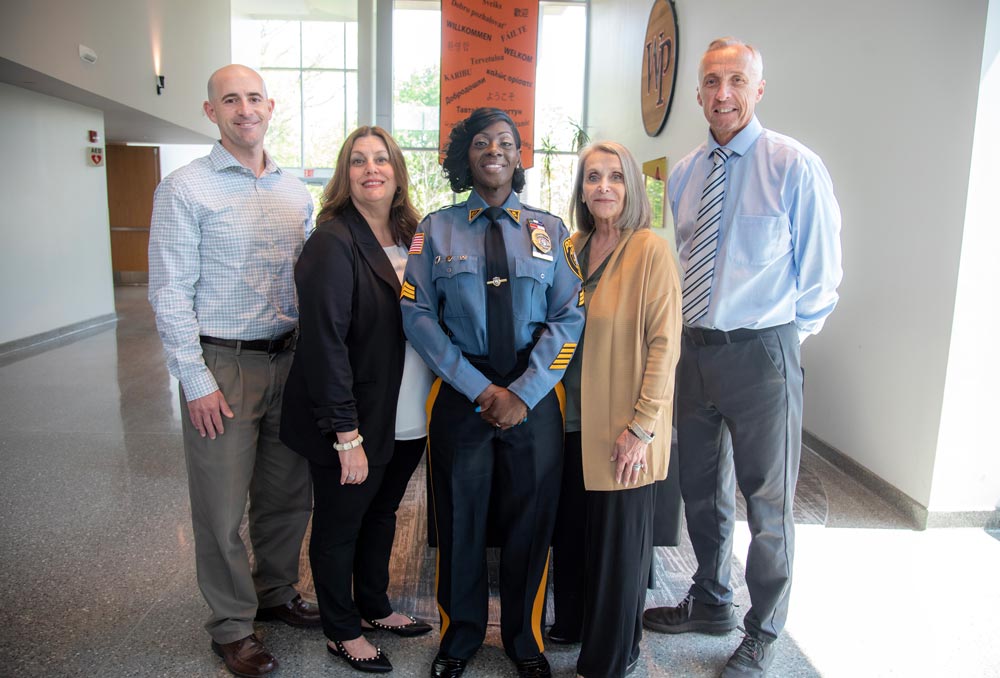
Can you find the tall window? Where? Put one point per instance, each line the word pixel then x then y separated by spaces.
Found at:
pixel 559 97
pixel 416 68
pixel 311 71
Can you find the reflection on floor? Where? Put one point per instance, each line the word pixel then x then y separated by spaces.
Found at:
pixel 97 569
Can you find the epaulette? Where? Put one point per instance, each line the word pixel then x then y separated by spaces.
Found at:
pixel 539 210
pixel 442 209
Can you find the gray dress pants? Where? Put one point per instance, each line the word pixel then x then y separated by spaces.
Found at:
pixel 751 383
pixel 248 460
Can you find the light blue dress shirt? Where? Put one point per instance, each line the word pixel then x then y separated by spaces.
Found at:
pixel 222 250
pixel 446 273
pixel 779 256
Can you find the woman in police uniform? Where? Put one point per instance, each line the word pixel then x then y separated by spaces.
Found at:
pixel 491 301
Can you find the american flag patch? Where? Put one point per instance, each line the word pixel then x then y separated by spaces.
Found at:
pixel 417 246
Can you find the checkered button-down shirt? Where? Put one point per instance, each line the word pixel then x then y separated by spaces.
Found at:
pixel 222 250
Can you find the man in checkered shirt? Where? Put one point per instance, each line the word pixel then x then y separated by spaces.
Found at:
pixel 226 232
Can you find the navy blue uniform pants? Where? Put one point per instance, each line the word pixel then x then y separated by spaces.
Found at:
pixel 476 468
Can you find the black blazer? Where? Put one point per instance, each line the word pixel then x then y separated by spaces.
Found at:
pixel 349 359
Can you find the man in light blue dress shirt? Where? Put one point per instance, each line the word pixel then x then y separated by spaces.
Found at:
pixel 226 231
pixel 775 237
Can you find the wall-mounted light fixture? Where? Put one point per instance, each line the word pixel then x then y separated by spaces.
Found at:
pixel 160 86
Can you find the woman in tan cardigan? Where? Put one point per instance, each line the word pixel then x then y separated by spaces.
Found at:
pixel 619 390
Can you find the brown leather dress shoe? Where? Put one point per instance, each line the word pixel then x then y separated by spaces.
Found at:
pixel 246 657
pixel 296 612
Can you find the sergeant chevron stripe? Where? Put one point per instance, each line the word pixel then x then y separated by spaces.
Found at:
pixel 565 354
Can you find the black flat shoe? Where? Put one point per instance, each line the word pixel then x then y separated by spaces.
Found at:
pixel 536 667
pixel 377 664
pixel 414 628
pixel 447 667
pixel 560 637
pixel 630 667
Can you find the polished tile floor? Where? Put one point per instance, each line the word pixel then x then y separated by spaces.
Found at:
pixel 97 569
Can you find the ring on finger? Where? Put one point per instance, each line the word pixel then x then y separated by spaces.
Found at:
pixel 637 467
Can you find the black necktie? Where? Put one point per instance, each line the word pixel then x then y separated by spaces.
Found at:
pixel 499 307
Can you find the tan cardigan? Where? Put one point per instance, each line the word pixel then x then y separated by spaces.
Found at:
pixel 630 349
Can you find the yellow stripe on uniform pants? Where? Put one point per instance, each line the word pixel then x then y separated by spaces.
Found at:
pixel 431 397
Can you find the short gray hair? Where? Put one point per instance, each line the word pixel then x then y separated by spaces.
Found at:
pixel 636 212
pixel 756 60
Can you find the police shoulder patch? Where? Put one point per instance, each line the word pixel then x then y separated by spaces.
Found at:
pixel 570 253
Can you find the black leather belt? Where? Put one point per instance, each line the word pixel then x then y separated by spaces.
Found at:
pixel 482 363
pixel 279 345
pixel 706 337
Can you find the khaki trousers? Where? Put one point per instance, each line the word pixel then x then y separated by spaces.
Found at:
pixel 247 461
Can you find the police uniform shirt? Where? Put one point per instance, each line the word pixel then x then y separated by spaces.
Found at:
pixel 444 294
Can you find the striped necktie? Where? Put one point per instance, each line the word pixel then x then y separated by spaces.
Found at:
pixel 704 243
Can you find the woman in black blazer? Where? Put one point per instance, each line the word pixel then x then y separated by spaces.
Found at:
pixel 351 367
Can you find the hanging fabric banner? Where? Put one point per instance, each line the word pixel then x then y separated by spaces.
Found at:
pixel 488 56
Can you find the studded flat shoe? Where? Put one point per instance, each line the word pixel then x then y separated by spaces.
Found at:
pixel 377 664
pixel 414 628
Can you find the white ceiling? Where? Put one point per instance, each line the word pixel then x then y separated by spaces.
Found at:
pixel 121 123
pixel 297 10
pixel 126 124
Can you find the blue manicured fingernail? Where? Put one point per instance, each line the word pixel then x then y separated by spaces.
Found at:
pixel 478 409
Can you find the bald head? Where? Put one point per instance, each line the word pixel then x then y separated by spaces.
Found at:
pixel 233 71
pixel 238 104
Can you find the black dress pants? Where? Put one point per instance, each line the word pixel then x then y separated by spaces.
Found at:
pixel 568 553
pixel 521 467
pixel 352 533
pixel 619 546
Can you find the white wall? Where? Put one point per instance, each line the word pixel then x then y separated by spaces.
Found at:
pixel 185 39
pixel 967 468
pixel 55 253
pixel 886 94
pixel 55 266
pixel 175 156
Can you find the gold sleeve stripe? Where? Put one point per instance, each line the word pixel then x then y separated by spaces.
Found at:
pixel 581 302
pixel 408 291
